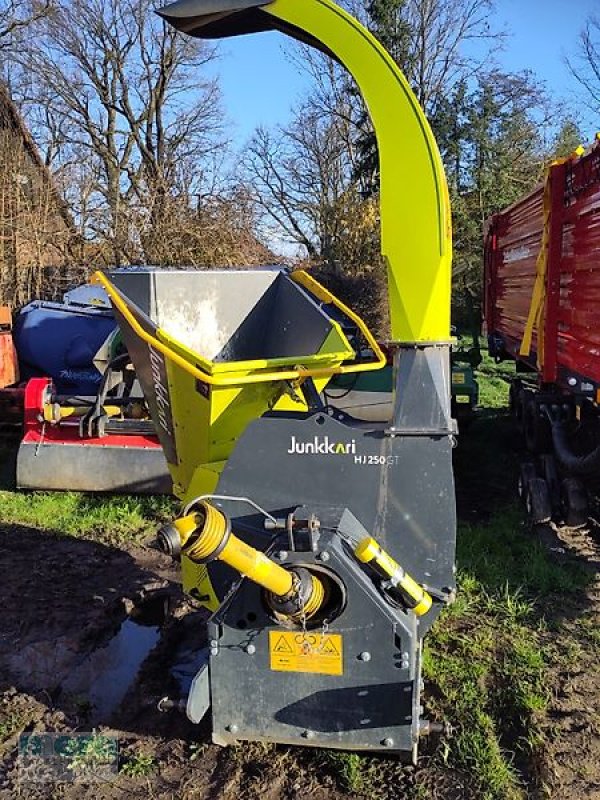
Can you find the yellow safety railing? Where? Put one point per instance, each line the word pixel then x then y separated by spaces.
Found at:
pixel 299 373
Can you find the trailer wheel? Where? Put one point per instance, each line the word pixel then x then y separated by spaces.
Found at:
pixel 574 503
pixel 536 429
pixel 527 473
pixel 549 471
pixel 537 501
pixel 515 387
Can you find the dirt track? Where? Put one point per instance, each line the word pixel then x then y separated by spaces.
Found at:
pixel 571 766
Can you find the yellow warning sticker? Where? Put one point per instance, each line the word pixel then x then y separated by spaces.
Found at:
pixel 306 652
pixel 458 377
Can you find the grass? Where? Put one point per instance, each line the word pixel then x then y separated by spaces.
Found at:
pixel 11 723
pixel 112 519
pixel 493 382
pixel 87 755
pixel 587 628
pixel 350 769
pixel 139 765
pixel 503 559
pixel 485 659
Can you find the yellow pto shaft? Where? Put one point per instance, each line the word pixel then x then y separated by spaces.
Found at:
pixel 205 535
pixel 54 412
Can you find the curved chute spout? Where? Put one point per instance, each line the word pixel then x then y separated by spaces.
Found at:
pixel 416 239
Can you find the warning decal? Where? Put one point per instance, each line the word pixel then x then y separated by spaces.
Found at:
pixel 306 652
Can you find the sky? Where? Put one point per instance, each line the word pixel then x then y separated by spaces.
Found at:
pixel 542 33
pixel 260 84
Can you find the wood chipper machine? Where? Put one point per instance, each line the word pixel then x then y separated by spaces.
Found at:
pixel 322 546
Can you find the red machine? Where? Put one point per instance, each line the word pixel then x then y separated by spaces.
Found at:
pixel 87 427
pixel 101 444
pixel 8 357
pixel 542 293
pixel 566 309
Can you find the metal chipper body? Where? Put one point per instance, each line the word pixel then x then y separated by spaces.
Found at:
pixel 215 349
pixel 324 547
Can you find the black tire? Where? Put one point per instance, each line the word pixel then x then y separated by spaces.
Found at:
pixel 536 428
pixel 538 503
pixel 521 401
pixel 527 473
pixel 549 472
pixel 574 503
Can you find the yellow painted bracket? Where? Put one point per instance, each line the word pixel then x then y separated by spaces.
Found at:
pixel 318 290
pixel 537 307
pixel 298 374
pixel 416 236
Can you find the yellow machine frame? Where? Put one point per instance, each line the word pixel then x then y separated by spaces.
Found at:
pixel 258 370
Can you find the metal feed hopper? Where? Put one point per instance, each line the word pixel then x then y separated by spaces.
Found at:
pixel 216 349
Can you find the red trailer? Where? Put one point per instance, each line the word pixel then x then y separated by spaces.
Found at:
pixel 542 308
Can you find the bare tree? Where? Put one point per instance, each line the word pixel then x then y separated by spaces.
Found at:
pixel 431 39
pixel 585 65
pixel 217 232
pixel 18 15
pixel 35 231
pixel 441 31
pixel 302 176
pixel 310 172
pixel 117 93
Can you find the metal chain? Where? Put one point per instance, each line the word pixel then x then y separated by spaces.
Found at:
pixel 304 630
pixel 324 632
pixel 305 638
pixel 296 584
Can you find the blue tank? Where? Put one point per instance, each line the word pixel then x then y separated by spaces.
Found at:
pixel 60 340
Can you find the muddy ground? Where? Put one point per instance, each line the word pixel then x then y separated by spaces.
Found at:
pixel 62 599
pixel 570 766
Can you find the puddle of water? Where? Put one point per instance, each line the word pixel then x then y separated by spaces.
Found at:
pixel 108 672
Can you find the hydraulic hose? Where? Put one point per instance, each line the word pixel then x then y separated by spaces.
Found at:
pixel 576 464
